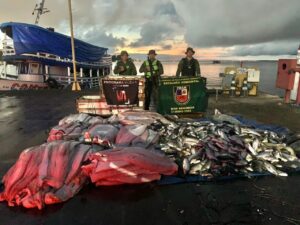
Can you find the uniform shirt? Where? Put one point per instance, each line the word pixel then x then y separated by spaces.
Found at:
pixel 185 63
pixel 129 68
pixel 158 72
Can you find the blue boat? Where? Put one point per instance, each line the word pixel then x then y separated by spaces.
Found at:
pixel 39 54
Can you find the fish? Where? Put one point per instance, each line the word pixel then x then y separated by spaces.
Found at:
pixel 255 144
pixel 289 157
pixel 289 150
pixel 185 166
pixel 241 163
pixel 194 161
pixel 250 131
pixel 199 167
pixel 251 149
pixel 190 141
pixel 269 167
pixel 221 118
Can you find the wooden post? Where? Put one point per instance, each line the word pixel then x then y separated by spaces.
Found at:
pixel 75 86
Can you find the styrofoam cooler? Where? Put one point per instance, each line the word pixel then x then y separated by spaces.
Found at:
pixel 253 76
pixel 97 105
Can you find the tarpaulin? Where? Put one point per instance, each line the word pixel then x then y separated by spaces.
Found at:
pixel 171 180
pixel 275 128
pixel 32 39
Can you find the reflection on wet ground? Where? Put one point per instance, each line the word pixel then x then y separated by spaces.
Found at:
pixel 24 121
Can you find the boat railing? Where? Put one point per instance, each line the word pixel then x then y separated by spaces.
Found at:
pixel 105 61
pixel 214 84
pixel 87 82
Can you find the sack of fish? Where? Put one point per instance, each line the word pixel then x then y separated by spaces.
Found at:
pixel 138 147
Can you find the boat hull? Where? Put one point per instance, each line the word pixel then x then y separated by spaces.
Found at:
pixel 10 85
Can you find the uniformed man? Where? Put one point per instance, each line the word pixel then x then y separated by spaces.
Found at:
pixel 125 66
pixel 188 66
pixel 152 69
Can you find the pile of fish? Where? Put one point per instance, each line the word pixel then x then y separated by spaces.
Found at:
pixel 138 147
pixel 225 147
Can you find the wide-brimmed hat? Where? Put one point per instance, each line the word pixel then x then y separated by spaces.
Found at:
pixel 124 53
pixel 152 52
pixel 190 49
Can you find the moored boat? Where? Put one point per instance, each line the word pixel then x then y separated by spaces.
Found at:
pixel 41 55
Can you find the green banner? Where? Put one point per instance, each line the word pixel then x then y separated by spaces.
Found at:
pixel 179 95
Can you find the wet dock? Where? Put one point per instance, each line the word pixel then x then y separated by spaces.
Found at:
pixel 25 119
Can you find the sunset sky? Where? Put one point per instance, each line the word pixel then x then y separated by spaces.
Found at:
pixel 215 28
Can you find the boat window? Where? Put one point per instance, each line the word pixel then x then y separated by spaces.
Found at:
pixel 42 69
pixel 34 68
pixel 23 68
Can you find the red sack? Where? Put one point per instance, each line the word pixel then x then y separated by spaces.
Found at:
pixel 128 133
pixel 45 174
pixel 99 133
pixel 67 131
pixel 128 166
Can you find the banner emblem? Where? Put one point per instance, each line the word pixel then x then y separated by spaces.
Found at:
pixel 182 94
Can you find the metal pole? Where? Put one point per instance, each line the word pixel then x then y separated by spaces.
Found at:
pixel 69 75
pixel 75 86
pixel 5 69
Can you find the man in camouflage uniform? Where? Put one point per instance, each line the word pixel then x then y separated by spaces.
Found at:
pixel 152 68
pixel 188 66
pixel 125 66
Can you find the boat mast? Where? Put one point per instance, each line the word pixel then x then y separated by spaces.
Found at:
pixel 40 11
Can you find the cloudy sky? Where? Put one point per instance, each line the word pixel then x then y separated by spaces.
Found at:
pixel 215 28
